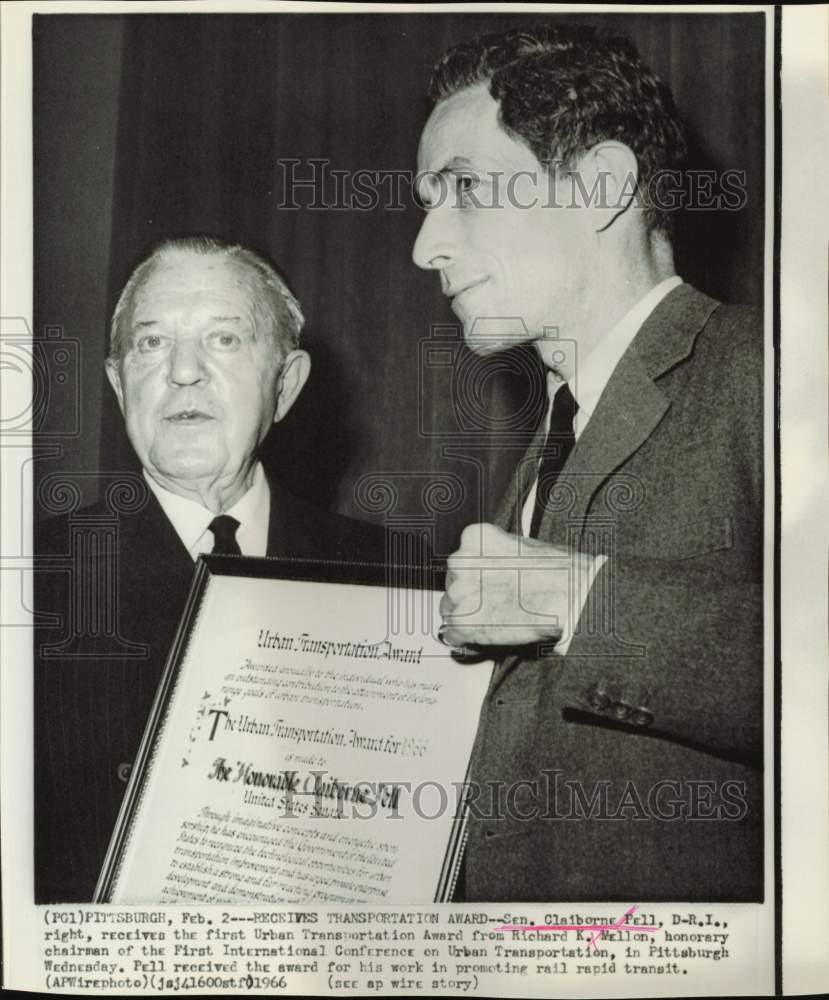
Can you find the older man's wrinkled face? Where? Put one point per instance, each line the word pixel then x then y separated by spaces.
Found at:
pixel 197 381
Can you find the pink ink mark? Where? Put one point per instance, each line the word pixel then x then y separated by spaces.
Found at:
pixel 598 929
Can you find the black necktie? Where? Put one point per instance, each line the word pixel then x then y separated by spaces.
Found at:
pixel 224 531
pixel 560 440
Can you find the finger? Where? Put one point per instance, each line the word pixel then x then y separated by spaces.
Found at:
pixel 467 578
pixel 470 540
pixel 497 542
pixel 470 654
pixel 463 613
pixel 481 538
pixel 451 635
pixel 457 640
pixel 447 607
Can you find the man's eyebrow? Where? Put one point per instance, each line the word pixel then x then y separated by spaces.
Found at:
pixel 212 319
pixel 451 166
pixel 454 164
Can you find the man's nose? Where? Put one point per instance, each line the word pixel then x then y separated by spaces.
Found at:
pixel 186 363
pixel 436 245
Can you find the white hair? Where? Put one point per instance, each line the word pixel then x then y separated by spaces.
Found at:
pixel 273 300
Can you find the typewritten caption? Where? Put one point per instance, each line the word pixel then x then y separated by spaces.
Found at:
pixel 458 950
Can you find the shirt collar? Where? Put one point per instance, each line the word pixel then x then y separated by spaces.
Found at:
pixel 190 519
pixel 594 370
pixel 252 511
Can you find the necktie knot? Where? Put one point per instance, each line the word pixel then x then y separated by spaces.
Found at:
pixel 224 528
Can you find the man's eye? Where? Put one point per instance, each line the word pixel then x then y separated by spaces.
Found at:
pixel 224 340
pixel 465 185
pixel 149 342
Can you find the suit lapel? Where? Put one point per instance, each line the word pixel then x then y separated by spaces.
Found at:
pixel 628 412
pixel 508 515
pixel 276 518
pixel 293 529
pixel 148 539
pixel 631 406
pixel 288 534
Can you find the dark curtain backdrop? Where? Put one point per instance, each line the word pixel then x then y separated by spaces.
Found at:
pixel 208 110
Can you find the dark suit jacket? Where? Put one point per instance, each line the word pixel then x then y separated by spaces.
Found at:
pixel 95 687
pixel 656 709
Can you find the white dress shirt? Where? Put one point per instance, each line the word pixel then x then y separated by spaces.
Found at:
pixel 190 519
pixel 587 385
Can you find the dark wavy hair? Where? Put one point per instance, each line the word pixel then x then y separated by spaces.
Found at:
pixel 564 88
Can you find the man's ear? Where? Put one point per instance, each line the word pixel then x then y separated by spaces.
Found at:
pixel 610 174
pixel 113 370
pixel 295 371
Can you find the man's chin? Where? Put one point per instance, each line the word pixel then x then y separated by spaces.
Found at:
pixel 187 466
pixel 489 335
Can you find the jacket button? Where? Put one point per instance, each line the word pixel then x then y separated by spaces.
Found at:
pixel 620 710
pixel 641 717
pixel 124 771
pixel 598 699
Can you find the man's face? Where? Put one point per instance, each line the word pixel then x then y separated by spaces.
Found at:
pixel 198 381
pixel 513 269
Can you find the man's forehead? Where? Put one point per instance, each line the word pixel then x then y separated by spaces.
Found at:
pixel 464 129
pixel 186 277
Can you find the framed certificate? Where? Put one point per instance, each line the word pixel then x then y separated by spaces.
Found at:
pixel 309 743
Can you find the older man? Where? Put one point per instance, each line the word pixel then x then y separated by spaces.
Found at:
pixel 204 360
pixel 619 747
